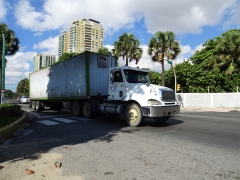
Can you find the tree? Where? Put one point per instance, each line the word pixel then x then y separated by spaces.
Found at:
pixel 222 53
pixel 11 45
pixel 23 87
pixel 228 51
pixel 66 56
pixel 103 51
pixel 161 45
pixel 9 93
pixel 127 47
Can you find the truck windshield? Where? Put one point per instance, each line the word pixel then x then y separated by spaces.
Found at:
pixel 133 76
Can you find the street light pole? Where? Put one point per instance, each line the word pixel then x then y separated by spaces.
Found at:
pixel 175 77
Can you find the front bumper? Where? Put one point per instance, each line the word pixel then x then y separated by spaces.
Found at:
pixel 25 101
pixel 158 111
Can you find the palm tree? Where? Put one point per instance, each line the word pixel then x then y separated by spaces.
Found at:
pixel 127 47
pixel 11 46
pixel 161 45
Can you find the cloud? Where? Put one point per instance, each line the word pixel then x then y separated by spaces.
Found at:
pixel 234 14
pixel 18 67
pixel 198 48
pixel 3 9
pixel 184 16
pixel 180 16
pixel 48 46
pixel 37 34
pixel 21 64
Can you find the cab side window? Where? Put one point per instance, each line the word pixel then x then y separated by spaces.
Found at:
pixel 118 76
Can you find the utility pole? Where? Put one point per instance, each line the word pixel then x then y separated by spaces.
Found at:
pixel 175 77
pixel 3 70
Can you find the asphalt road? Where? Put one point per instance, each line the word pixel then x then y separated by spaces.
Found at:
pixel 191 145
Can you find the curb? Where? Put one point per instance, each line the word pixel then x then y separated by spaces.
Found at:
pixel 13 127
pixel 208 109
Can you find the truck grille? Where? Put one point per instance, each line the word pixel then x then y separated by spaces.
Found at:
pixel 168 95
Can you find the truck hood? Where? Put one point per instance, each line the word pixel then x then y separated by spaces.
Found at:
pixel 157 87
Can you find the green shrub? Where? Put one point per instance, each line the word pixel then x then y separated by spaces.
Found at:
pixel 10 110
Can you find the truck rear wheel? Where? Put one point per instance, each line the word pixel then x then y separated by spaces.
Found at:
pixel 34 105
pixel 77 109
pixel 39 105
pixel 87 110
pixel 133 115
pixel 161 119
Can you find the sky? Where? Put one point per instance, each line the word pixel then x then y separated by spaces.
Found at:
pixel 38 23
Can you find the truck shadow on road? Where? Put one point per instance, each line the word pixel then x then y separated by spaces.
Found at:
pixel 36 141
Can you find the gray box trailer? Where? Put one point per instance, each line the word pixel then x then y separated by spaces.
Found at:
pixel 84 76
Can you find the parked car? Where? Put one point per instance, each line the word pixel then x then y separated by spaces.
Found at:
pixel 24 99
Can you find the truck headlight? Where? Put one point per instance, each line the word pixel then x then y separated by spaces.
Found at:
pixel 154 102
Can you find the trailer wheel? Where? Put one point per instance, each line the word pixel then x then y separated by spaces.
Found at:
pixel 161 119
pixel 34 105
pixel 43 106
pixel 87 110
pixel 76 107
pixel 38 105
pixel 133 115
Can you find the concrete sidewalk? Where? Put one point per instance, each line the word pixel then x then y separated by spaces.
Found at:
pixel 209 109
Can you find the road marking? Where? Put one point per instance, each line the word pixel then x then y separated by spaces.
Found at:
pixel 81 118
pixel 53 116
pixel 38 116
pixel 27 132
pixel 47 122
pixel 64 120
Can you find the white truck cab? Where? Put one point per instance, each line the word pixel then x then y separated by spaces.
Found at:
pixel 132 95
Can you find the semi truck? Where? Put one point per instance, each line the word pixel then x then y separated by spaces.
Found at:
pixel 94 84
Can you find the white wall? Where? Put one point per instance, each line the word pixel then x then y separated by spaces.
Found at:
pixel 228 100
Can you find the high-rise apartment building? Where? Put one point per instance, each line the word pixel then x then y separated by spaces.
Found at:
pixel 42 60
pixel 63 45
pixel 83 35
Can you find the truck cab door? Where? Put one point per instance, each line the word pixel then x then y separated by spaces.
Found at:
pixel 116 86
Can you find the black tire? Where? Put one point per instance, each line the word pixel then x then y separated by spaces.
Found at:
pixel 87 110
pixel 43 106
pixel 161 119
pixel 77 109
pixel 133 115
pixel 38 105
pixel 34 105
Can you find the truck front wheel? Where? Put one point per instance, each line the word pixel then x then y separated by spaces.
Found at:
pixel 133 115
pixel 161 119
